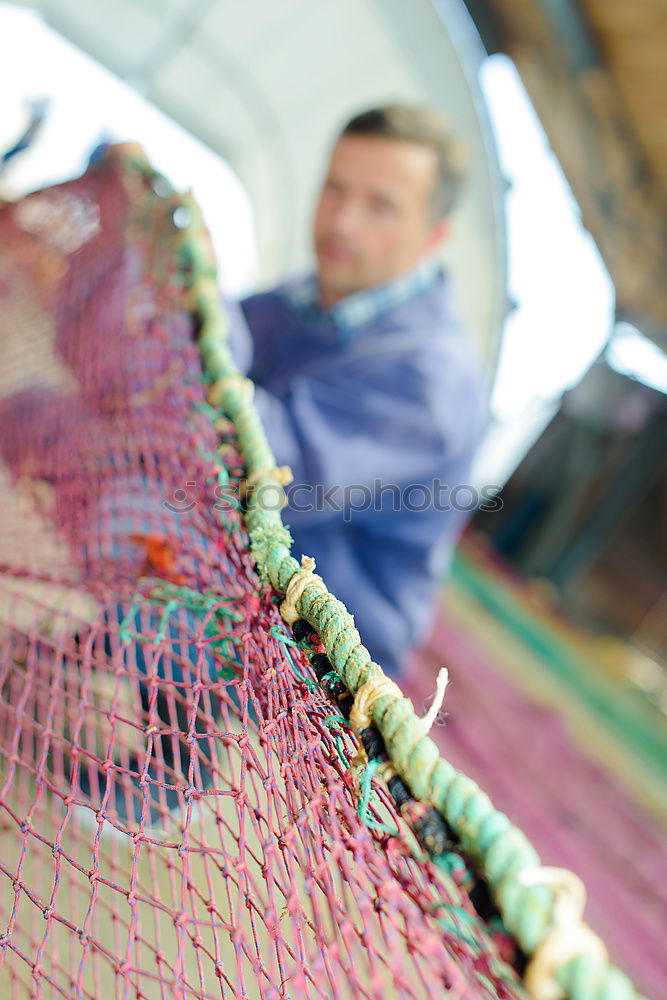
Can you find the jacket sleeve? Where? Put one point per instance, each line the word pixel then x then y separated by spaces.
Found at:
pixel 356 427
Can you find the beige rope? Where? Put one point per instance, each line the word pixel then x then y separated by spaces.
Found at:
pixel 376 687
pixel 221 385
pixel 361 713
pixel 281 475
pixel 570 936
pixel 361 717
pixel 441 682
pixel 304 577
pixel 559 947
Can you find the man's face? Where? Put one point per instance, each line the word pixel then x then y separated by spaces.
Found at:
pixel 373 220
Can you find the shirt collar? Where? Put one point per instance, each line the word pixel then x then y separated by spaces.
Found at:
pixel 356 310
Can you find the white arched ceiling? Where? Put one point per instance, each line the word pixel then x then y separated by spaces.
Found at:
pixel 266 83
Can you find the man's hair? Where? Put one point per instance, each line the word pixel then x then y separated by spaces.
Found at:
pixel 425 127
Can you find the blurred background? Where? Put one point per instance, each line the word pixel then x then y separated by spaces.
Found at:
pixel 554 626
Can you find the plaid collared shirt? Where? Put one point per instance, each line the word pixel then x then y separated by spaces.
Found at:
pixel 352 313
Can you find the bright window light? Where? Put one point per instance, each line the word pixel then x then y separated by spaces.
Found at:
pixel 563 294
pixel 633 354
pixel 88 104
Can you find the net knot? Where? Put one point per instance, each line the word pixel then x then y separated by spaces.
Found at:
pixel 304 577
pixel 569 937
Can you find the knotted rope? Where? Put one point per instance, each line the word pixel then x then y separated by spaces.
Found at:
pixel 218 388
pixel 570 938
pixel 281 475
pixel 361 714
pixel 304 577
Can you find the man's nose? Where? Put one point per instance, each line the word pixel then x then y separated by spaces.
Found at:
pixel 347 217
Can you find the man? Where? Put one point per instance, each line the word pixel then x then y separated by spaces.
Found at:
pixel 366 385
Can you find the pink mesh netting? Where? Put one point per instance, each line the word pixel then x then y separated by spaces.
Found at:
pixel 178 814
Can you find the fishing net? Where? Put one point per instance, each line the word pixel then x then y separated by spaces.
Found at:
pixel 205 788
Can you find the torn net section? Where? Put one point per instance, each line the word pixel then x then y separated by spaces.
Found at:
pixel 178 814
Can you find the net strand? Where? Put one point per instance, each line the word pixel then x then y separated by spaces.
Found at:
pixel 179 809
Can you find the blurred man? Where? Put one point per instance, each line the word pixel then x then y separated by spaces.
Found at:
pixel 366 384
